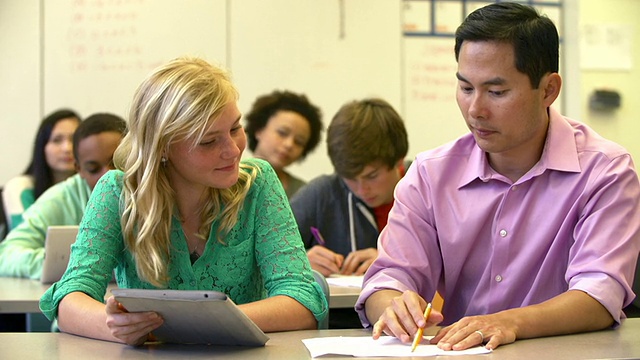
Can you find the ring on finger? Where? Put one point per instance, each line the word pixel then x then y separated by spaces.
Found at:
pixel 481 335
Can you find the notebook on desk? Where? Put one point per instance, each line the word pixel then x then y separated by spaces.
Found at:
pixel 57 248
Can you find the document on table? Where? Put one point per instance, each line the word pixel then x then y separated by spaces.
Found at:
pixel 389 346
pixel 345 280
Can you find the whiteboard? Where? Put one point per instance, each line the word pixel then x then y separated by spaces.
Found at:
pixel 429 92
pixel 96 52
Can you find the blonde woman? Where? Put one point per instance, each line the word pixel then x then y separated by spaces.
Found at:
pixel 184 212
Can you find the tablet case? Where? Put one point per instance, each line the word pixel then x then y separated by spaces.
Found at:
pixel 194 316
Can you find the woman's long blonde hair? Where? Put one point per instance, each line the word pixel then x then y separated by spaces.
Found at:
pixel 175 102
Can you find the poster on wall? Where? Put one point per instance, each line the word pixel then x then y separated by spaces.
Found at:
pixel 606 47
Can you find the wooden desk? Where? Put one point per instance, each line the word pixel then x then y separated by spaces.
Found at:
pixel 623 343
pixel 19 295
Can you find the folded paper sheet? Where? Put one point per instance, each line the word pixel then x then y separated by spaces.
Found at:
pixel 365 346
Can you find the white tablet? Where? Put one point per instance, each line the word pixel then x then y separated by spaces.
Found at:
pixel 194 316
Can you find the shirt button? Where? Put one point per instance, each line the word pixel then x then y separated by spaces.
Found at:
pixel 498 278
pixel 514 188
pixel 503 233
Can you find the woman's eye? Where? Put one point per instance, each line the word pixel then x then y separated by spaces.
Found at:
pixel 57 140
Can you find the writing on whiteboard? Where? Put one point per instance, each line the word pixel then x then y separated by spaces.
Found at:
pixel 104 36
pixel 431 73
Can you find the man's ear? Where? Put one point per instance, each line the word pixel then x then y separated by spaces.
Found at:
pixel 551 84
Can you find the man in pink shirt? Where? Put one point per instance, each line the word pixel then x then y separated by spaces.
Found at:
pixel 529 226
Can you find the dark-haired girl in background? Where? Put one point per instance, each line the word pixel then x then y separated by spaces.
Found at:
pixel 52 161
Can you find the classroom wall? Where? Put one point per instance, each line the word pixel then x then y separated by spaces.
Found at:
pixel 94 52
pixel 623 124
pixel 19 84
pixel 334 51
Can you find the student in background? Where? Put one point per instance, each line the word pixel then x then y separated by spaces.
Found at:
pixel 367 144
pixel 94 141
pixel 51 162
pixel 529 225
pixel 184 212
pixel 283 127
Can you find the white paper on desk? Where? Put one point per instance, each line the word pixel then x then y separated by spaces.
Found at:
pixel 365 346
pixel 346 280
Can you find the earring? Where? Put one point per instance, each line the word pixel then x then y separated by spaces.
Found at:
pixel 163 160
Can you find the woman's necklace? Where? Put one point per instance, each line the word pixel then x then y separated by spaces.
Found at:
pixel 194 255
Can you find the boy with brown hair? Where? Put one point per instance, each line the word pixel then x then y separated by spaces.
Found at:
pixel 367 143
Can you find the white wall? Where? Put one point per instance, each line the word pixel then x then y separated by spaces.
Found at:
pixel 623 124
pixel 19 84
pixel 333 54
pixel 333 51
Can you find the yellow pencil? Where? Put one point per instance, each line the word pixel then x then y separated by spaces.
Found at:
pixel 418 337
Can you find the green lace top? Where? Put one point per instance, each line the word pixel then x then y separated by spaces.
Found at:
pixel 262 256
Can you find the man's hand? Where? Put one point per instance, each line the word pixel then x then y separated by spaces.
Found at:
pixel 404 316
pixel 563 314
pixel 494 330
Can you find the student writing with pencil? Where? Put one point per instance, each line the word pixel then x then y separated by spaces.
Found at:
pixel 367 143
pixel 340 215
pixel 529 226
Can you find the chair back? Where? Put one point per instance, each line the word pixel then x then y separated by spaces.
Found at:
pixel 4 224
pixel 636 285
pixel 322 281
